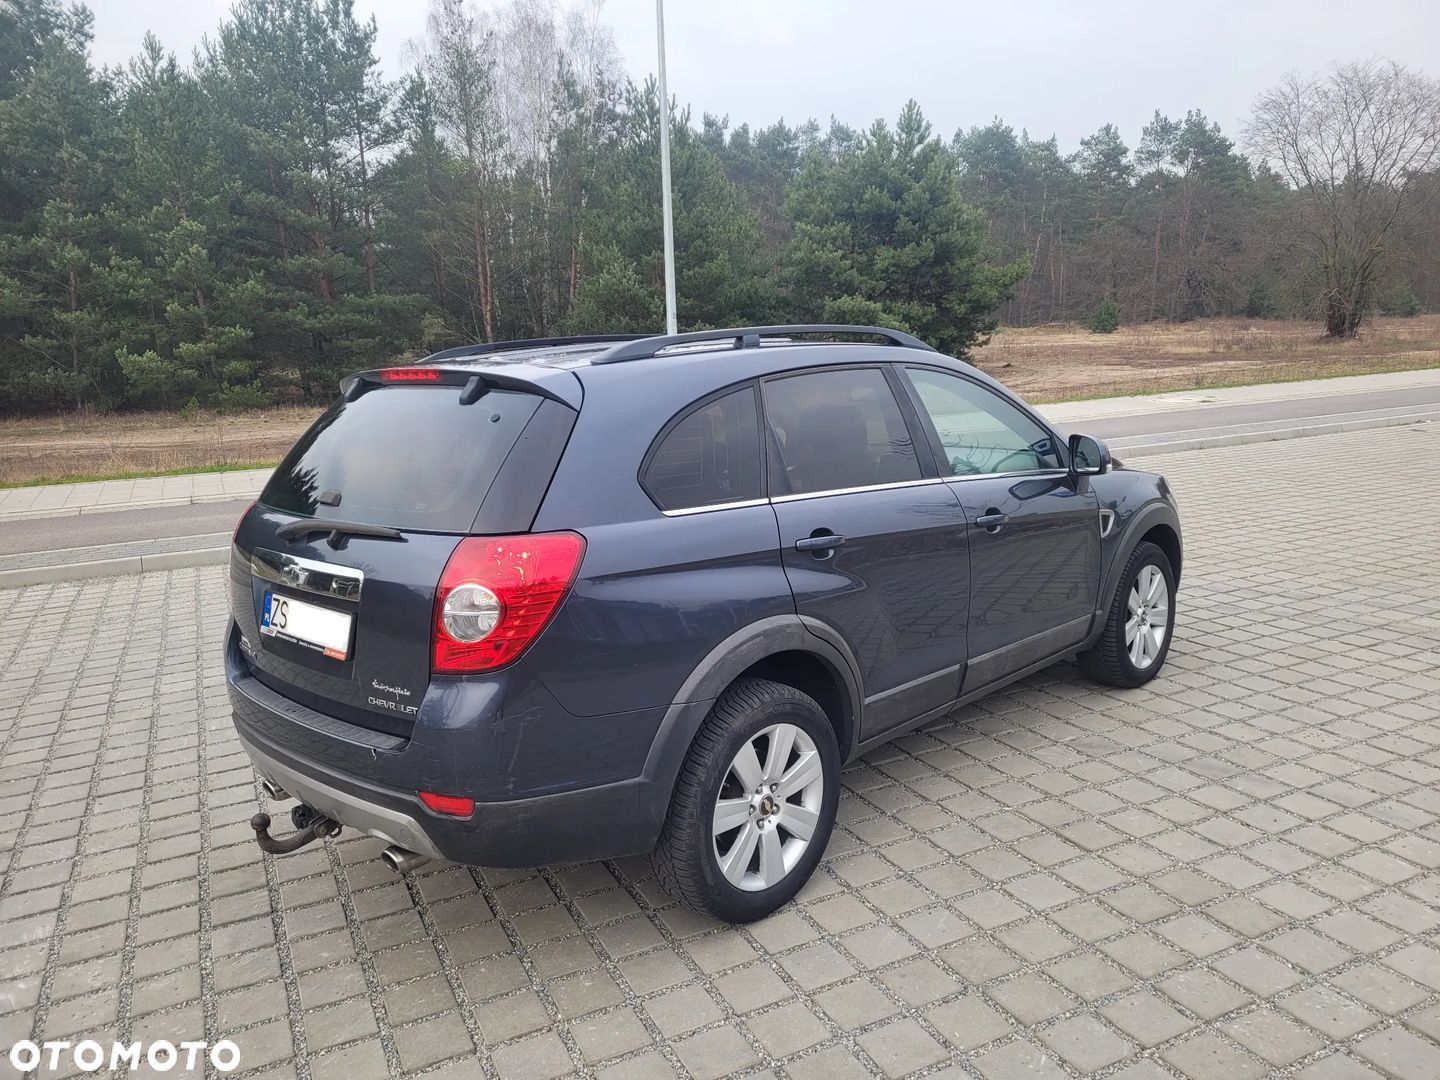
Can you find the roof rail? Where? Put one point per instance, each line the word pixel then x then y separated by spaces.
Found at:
pixel 527 343
pixel 748 337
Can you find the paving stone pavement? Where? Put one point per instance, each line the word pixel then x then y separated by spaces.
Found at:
pixel 1232 872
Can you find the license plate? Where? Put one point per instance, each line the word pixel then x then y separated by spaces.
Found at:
pixel 306 624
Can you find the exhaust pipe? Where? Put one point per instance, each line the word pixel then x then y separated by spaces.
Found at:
pixel 274 790
pixel 402 861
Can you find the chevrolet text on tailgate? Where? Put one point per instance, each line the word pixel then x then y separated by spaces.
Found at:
pixel 550 601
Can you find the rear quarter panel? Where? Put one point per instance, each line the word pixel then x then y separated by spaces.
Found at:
pixel 655 594
pixel 653 598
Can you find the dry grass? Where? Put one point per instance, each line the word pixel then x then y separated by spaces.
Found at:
pixel 1048 363
pixel 1059 363
pixel 92 446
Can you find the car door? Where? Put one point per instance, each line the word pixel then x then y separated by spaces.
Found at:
pixel 1034 529
pixel 872 541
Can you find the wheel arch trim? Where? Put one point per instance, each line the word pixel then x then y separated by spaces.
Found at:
pixel 725 663
pixel 1153 513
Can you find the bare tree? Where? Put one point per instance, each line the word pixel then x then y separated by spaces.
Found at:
pixel 1353 144
pixel 539 41
pixel 590 49
pixel 529 60
pixel 459 61
pixel 506 81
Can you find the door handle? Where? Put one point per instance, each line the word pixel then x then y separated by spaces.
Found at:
pixel 992 519
pixel 824 542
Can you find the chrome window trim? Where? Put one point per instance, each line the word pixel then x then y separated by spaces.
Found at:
pixel 687 411
pixel 999 475
pixel 307 575
pixel 710 508
pixel 924 481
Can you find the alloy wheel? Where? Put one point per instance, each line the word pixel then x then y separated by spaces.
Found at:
pixel 1147 616
pixel 768 807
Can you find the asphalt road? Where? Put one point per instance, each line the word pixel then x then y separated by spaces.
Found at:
pixel 1210 417
pixel 198 520
pixel 208 524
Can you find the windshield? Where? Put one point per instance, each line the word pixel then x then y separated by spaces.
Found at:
pixel 411 457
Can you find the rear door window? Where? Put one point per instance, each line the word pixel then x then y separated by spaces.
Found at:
pixel 410 457
pixel 711 456
pixel 838 429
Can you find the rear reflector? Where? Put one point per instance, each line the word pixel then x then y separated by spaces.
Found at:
pixel 409 374
pixel 449 805
pixel 496 595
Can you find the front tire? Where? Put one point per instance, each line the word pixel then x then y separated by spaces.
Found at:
pixel 1136 639
pixel 754 804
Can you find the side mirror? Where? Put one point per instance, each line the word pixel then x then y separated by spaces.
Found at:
pixel 1088 456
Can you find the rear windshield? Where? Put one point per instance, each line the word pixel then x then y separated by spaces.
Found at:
pixel 411 457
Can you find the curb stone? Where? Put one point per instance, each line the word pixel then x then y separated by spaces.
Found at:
pixel 130 564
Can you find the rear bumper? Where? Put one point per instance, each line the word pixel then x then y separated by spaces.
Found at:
pixel 368 815
pixel 371 784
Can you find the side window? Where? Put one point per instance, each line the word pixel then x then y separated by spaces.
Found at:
pixel 838 429
pixel 980 432
pixel 711 456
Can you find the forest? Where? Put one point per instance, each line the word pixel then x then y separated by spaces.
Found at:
pixel 240 227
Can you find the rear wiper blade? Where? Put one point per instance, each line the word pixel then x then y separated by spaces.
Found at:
pixel 298 529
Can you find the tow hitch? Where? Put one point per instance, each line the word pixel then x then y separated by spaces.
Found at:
pixel 310 823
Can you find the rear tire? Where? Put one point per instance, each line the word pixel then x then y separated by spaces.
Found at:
pixel 1128 653
pixel 745 832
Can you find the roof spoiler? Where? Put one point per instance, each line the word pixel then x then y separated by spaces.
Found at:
pixel 558 386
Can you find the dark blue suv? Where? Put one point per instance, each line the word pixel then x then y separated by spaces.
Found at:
pixel 549 601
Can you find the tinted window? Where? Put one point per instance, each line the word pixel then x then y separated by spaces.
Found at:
pixel 711 456
pixel 411 457
pixel 838 429
pixel 980 431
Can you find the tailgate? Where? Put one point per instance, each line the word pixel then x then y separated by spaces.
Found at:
pixel 376 595
pixel 333 573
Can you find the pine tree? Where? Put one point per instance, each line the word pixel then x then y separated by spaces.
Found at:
pixel 183 297
pixel 54 184
pixel 883 236
pixel 294 87
pixel 719 275
pixel 244 228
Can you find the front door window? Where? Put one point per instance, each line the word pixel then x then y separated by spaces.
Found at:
pixel 980 432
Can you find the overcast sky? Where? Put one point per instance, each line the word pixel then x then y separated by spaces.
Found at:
pixel 1051 66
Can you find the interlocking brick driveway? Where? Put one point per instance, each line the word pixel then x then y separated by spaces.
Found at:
pixel 1235 871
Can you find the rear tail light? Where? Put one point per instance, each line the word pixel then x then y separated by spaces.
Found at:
pixel 496 595
pixel 449 805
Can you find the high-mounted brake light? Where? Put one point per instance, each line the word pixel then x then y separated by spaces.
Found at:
pixel 449 805
pixel 496 595
pixel 409 374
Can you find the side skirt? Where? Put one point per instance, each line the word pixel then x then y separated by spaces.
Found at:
pixel 962 700
pixel 885 711
pixel 990 669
